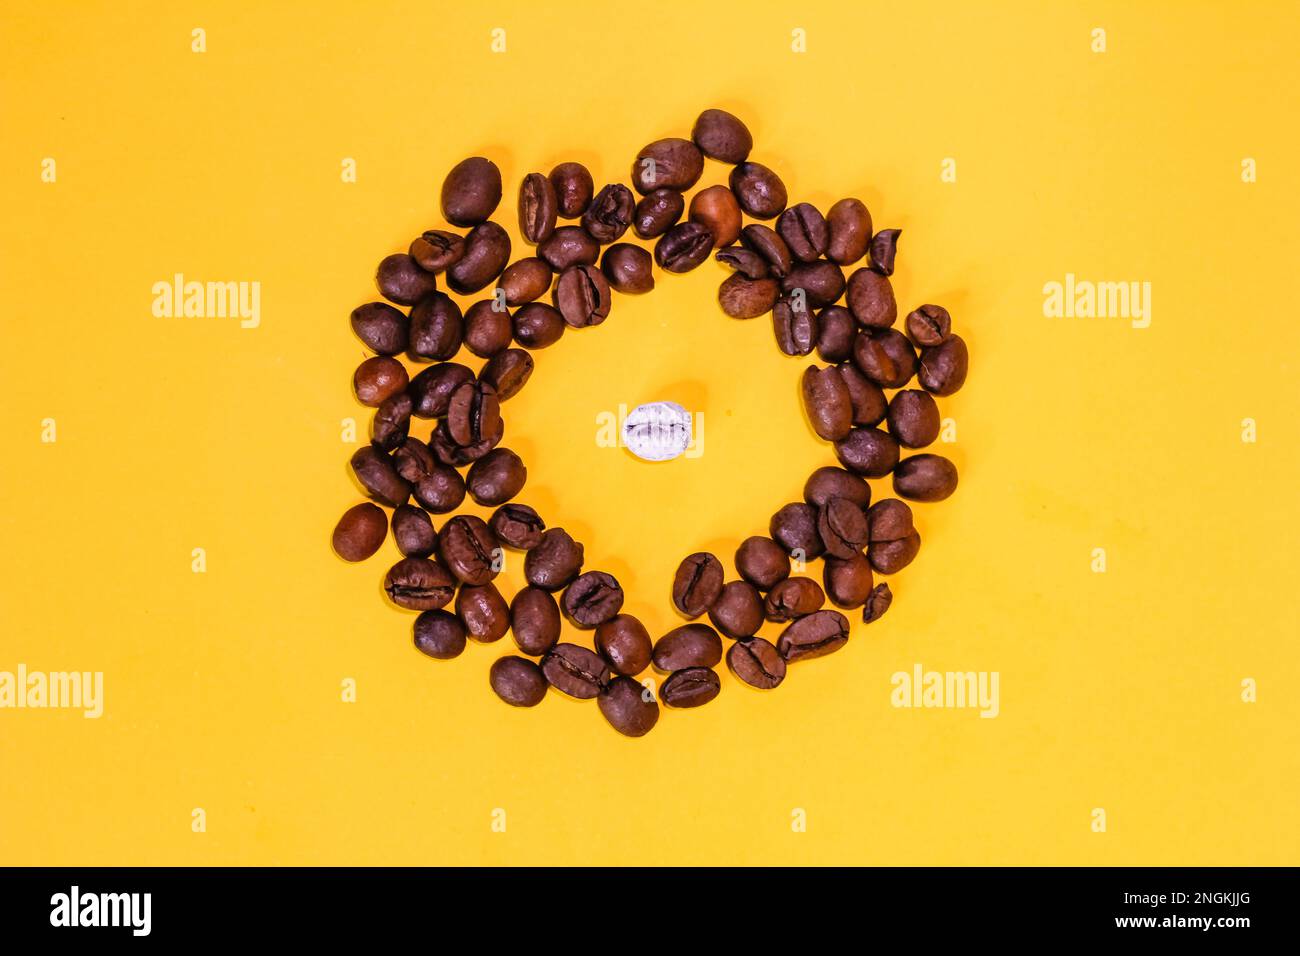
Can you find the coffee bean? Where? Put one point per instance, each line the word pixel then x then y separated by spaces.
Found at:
pixel 379 478
pixel 449 452
pixel 413 460
pixel 575 671
pixel 437 250
pixel 535 620
pixel 431 389
pixel 794 325
pixel 738 611
pixel 628 708
pixel 913 418
pixel 868 451
pixel 382 328
pixel 868 400
pixel 793 598
pixel 943 367
pixel 870 298
pixel 537 325
pixel 469 550
pixel 471 191
pixel 759 191
pixel 805 231
pixel 794 528
pixel 413 532
pixel 818 634
pixel 885 356
pixel 496 477
pixel 609 214
pixel 625 643
pixel 693 687
pixel 592 599
pixel 691 645
pixel 757 663
pixel 848 580
pixel 821 281
pixel 437 329
pixel 683 247
pixel 628 269
pixel 722 136
pixel 826 402
pixel 378 379
pixel 400 279
pixel 538 207
pixel 484 611
pixel 697 583
pixel 517 526
pixel 573 189
pixel 667 164
pixel 842 527
pixel 836 330
pixel 830 482
pixel 440 635
pixel 762 562
pixel 517 681
pixel 877 604
pixel 716 207
pixel 850 231
pixel 768 244
pixel 554 561
pixel 884 246
pixel 746 262
pixel 441 490
pixel 743 298
pixel 487 250
pixel 582 296
pixel 525 280
pixel 927 326
pixel 472 413
pixel 392 421
pixel 360 532
pixel 657 212
pixel 487 328
pixel 507 372
pixel 569 246
pixel 925 478
pixel 894 540
pixel 419 584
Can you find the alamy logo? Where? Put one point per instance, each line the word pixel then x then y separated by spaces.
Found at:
pixel 72 690
pixel 922 688
pixel 1083 299
pixel 208 300
pixel 75 908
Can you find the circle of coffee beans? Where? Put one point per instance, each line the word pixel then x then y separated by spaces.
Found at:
pixel 787 260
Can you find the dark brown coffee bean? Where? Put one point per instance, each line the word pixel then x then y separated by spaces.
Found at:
pixel 743 298
pixel 836 330
pixel 885 356
pixel 943 367
pixel 913 418
pixel 441 491
pixel 716 207
pixel 555 560
pixel 870 298
pixel 537 325
pixel 508 372
pixel 535 620
pixel 437 250
pixel 400 279
pixel 487 250
pixel 592 599
pixel 378 379
pixel 762 562
pixel 625 643
pixel 722 136
pixel 419 584
pixel 431 389
pixel 738 611
pixel 413 532
pixel 628 269
pixel 869 452
pixel 392 421
pixel 894 540
pixel 469 550
pixel 484 611
pixel 449 452
pixel 691 645
pixel 877 604
pixel 471 191
pixel 884 246
pixel 413 460
pixel 765 241
pixel 487 327
pixel 805 231
pixel 472 413
pixel 379 478
pixel 793 598
pixel 830 482
pixel 582 296
pixel 575 671
pixel 569 246
pixel 759 191
pixel 518 681
pixel 525 280
pixel 826 402
pixel 842 526
pixel 667 164
pixel 496 477
pixel 360 532
pixel 609 214
pixel 693 687
pixel 818 634
pixel 868 400
pixel 538 207
pixel 657 212
pixel 927 326
pixel 794 528
pixel 746 262
pixel 440 635
pixel 573 189
pixel 683 247
pixel 925 478
pixel 848 580
pixel 437 329
pixel 517 526
pixel 757 663
pixel 628 707
pixel 850 231
pixel 697 583
pixel 382 328
pixel 822 282
pixel 794 325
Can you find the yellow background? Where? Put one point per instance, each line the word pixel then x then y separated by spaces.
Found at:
pixel 1119 690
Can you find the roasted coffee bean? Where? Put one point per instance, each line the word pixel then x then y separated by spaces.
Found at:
pixel 378 379
pixel 870 298
pixel 738 611
pixel 400 279
pixel 943 367
pixel 537 325
pixel 826 402
pixel 487 328
pixel 927 326
pixel 913 418
pixel 518 681
pixel 759 191
pixel 439 634
pixel 508 372
pixel 757 663
pixel 484 611
pixel 830 482
pixel 818 634
pixel 469 550
pixel 691 645
pixel 392 421
pixel 693 687
pixel 894 539
pixel 683 247
pixel 667 164
pixel 869 452
pixel 575 671
pixel 868 400
pixel 413 459
pixel 582 296
pixel 538 207
pixel 431 389
pixel 496 477
pixel 592 599
pixel 628 269
pixel 569 246
pixel 836 330
pixel 743 298
pixel 877 604
pixel 697 583
pixel 805 231
pixel 628 707
pixel 716 207
pixel 379 478
pixel 625 643
pixel 413 532
pixel 762 562
pixel 535 620
pixel 793 598
pixel 767 243
pixel 437 250
pixel 441 491
pixel 746 262
pixel 554 561
pixel 471 191
pixel 437 329
pixel 472 413
pixel 850 231
pixel 487 250
pixel 609 214
pixel 573 189
pixel 419 584
pixel 525 280
pixel 794 528
pixel 447 451
pixel 657 212
pixel 382 328
pixel 842 526
pixel 885 356
pixel 822 282
pixel 925 478
pixel 722 136
pixel 848 580
pixel 884 246
pixel 517 526
pixel 794 325
pixel 360 532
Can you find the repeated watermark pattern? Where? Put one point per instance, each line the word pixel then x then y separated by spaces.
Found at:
pixel 920 688
pixel 22 689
